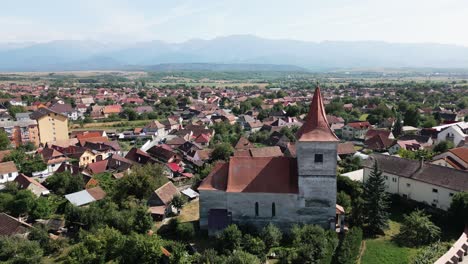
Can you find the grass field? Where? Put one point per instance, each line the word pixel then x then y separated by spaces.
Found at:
pixel 383 250
pixel 190 212
pixel 363 117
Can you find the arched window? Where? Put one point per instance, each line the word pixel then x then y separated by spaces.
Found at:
pixel 273 210
pixel 256 208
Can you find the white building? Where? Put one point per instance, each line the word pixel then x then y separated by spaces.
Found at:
pixel 427 183
pixel 8 172
pixel 455 133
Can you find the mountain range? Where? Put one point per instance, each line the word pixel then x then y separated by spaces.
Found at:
pixel 250 51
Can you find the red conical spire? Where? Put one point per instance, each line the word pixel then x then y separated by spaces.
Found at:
pixel 315 127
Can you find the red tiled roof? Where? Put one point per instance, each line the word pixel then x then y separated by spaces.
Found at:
pixel 88 135
pixel 373 132
pixel 461 153
pixel 11 226
pixel 112 109
pixel 262 175
pixel 174 167
pixel 243 143
pixel 97 193
pixel 158 210
pixel 24 181
pixel 217 179
pixel 7 167
pixel 274 151
pixel 98 166
pixel 167 192
pixel 359 125
pixel 202 138
pixel 378 142
pixel 315 127
pixel 346 148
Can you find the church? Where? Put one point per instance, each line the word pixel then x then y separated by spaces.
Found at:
pixel 279 190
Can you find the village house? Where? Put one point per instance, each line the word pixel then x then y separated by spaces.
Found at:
pixel 8 172
pixel 455 133
pixel 411 145
pixel 160 201
pixel 355 130
pixel 87 196
pixel 279 190
pixel 67 110
pixel 456 158
pixel 27 183
pixel 10 226
pixel 427 183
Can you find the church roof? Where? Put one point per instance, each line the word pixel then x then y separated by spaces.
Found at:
pixel 254 175
pixel 315 127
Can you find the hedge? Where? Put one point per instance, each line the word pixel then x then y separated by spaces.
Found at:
pixel 349 248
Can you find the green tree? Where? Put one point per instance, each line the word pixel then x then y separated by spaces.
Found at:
pixel 443 146
pixel 14 109
pixel 230 239
pixel 41 208
pixel 459 209
pixel 130 114
pixel 222 151
pixel 178 202
pixel 344 200
pixel 142 249
pixel 143 220
pixel 417 230
pixel 140 182
pixel 242 257
pixel 271 235
pixel 22 203
pixel 5 199
pixel 105 243
pixel 185 231
pixel 79 254
pixel 210 256
pixel 313 244
pixel 412 117
pixel 64 183
pixel 41 236
pixel 254 245
pixel 4 140
pixel 397 128
pixel 19 251
pixel 375 201
pixel 25 163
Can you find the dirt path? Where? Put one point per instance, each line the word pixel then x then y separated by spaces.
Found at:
pixel 363 249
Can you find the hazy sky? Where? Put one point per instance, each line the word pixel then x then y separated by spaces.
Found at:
pixel 441 21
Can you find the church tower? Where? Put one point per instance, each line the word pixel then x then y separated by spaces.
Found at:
pixel 316 151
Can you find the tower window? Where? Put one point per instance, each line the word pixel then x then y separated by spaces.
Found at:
pixel 318 158
pixel 256 208
pixel 273 210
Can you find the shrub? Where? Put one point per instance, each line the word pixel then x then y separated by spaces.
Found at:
pixel 417 229
pixel 271 235
pixel 349 247
pixel 230 239
pixel 185 231
pixel 429 254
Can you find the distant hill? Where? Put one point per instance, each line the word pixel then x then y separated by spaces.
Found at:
pixel 224 67
pixel 226 52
